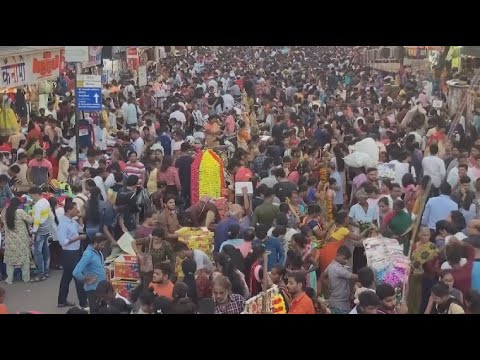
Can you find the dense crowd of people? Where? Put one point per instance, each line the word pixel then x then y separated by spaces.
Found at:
pixel 283 119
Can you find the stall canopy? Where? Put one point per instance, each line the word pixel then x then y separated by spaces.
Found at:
pixel 473 51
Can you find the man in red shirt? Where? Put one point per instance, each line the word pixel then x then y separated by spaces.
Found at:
pixel 301 303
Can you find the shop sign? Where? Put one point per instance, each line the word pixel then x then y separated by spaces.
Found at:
pixel 94 57
pixel 13 69
pixel 45 66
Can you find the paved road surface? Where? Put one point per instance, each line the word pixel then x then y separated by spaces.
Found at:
pixel 40 296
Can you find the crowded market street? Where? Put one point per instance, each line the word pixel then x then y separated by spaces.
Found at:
pixel 240 180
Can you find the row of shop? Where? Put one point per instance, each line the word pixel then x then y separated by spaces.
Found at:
pixel 31 73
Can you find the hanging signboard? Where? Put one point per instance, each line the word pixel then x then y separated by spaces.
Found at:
pixel 142 75
pixel 76 54
pixel 44 66
pixel 94 57
pixel 13 71
pixel 132 58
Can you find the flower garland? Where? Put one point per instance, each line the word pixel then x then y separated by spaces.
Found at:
pixel 210 182
pixel 194 190
pixel 278 305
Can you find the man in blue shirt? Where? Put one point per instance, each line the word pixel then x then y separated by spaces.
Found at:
pixel 69 238
pixel 90 269
pixel 439 207
pixel 271 244
pixel 221 230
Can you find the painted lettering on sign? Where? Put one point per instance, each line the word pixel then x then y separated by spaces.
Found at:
pixel 46 66
pixel 13 74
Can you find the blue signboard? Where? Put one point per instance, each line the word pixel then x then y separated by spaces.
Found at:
pixel 89 99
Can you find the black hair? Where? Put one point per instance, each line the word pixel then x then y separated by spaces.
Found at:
pixel 121 306
pixel 344 251
pixel 235 256
pixel 132 180
pixel 465 180
pixel 440 289
pixel 53 203
pixel 118 176
pixel 279 230
pixel 261 231
pixel 233 231
pixel 166 163
pixel 92 206
pixel 249 235
pixel 472 297
pixel 366 277
pixel 229 270
pixel 166 269
pixel 158 232
pixel 458 220
pixel 189 266
pixel 408 179
pixel 368 298
pixel 433 149
pixel 281 219
pixel 298 277
pixel 340 217
pixel 11 213
pixel 147 297
pixel 161 305
pixel 445 188
pixel 385 290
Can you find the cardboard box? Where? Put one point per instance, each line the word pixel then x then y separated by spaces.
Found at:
pixel 109 272
pixel 124 287
pixel 126 267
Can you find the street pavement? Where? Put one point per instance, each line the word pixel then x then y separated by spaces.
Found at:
pixel 41 296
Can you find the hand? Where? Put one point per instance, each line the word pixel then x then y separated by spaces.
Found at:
pixel 244 190
pixel 90 279
pixel 82 237
pixel 402 308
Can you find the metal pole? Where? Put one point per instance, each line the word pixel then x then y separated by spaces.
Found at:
pixel 78 70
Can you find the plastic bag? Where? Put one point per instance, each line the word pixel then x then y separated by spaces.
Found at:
pixel 368 146
pixel 358 159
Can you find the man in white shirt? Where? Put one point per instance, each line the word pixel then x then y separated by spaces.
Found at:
pixel 69 238
pixel 402 167
pixel 50 110
pixel 459 171
pixel 434 167
pixel 129 89
pixel 178 115
pixel 228 101
pixel 137 142
pixel 131 114
pixel 214 84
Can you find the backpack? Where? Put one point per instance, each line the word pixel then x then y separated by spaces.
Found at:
pixel 145 203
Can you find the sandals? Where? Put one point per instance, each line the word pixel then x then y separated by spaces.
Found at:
pixel 38 279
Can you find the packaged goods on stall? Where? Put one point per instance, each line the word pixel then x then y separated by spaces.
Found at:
pixel 197 238
pixel 273 300
pixel 385 257
pixel 126 267
pixel 124 287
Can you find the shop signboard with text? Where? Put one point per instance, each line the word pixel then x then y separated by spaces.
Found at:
pixel 43 66
pixel 94 57
pixel 132 58
pixel 14 71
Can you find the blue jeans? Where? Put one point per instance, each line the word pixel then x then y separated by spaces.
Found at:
pixel 42 254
